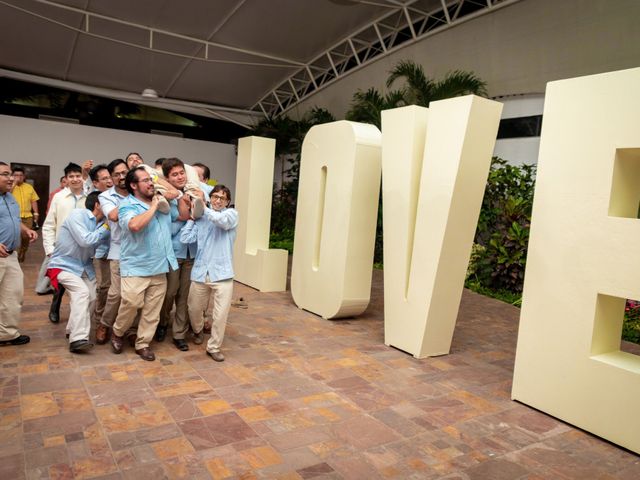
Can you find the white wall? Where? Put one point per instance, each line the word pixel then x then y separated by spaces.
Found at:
pixel 524 150
pixel 46 142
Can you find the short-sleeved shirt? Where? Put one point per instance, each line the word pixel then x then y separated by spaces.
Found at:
pixel 9 222
pixel 110 199
pixel 24 195
pixel 147 252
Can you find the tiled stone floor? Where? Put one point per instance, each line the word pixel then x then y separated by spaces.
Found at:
pixel 298 398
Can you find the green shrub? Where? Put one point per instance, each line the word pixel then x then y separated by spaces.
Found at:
pixel 503 227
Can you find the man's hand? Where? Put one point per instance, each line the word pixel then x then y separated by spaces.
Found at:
pixel 3 251
pixel 171 194
pixel 154 201
pixel 32 235
pixel 186 199
pixel 86 166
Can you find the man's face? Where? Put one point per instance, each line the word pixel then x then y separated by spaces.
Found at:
pixel 143 187
pixel 74 181
pixel 133 161
pixel 104 181
pixel 200 171
pixel 219 200
pixel 118 176
pixel 177 177
pixel 6 179
pixel 18 178
pixel 63 182
pixel 97 212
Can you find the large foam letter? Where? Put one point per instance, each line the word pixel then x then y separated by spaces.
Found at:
pixel 255 264
pixel 584 259
pixel 432 192
pixel 336 219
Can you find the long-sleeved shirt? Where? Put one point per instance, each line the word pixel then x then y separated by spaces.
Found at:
pixel 61 206
pixel 77 241
pixel 9 221
pixel 147 252
pixel 215 233
pixel 109 200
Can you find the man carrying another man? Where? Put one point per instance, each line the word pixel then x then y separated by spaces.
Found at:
pixel 71 265
pixel 146 256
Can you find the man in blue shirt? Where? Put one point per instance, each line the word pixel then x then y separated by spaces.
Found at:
pixel 11 286
pixel 71 263
pixel 101 182
pixel 212 272
pixel 110 201
pixel 178 281
pixel 146 255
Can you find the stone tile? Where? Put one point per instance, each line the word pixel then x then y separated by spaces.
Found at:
pixel 50 382
pixel 364 432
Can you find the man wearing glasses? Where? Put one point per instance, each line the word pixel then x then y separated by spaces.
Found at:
pixel 212 272
pixel 11 287
pixel 109 202
pixel 146 255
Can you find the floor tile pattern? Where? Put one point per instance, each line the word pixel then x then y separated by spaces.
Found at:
pixel 298 397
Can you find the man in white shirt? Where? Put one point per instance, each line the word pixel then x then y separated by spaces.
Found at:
pixel 67 199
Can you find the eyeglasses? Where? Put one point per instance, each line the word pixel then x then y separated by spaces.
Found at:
pixel 6 174
pixel 119 174
pixel 221 198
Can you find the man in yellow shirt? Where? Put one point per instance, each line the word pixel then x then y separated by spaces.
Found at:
pixel 27 199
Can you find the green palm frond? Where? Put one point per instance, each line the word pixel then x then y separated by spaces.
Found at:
pixel 458 83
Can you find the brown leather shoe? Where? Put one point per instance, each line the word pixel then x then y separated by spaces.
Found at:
pixel 146 354
pixel 102 334
pixel 116 343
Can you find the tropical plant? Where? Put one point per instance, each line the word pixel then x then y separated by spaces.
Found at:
pixel 503 227
pixel 418 89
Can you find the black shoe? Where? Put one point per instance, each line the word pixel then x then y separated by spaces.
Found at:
pixel 56 301
pixel 161 333
pixel 181 344
pixel 21 340
pixel 80 346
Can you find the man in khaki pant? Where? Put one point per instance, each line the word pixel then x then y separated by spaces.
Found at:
pixel 146 255
pixel 212 272
pixel 110 200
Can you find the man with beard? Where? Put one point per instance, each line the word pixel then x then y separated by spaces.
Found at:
pixel 109 202
pixel 11 287
pixel 146 256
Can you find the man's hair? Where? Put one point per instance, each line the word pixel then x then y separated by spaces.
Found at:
pixel 171 163
pixel 132 153
pixel 114 163
pixel 132 177
pixel 93 173
pixel 72 167
pixel 2 164
pixel 159 162
pixel 17 169
pixel 206 172
pixel 91 200
pixel 221 188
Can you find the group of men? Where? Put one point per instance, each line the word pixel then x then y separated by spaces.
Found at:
pixel 159 240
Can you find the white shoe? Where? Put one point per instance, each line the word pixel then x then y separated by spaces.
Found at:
pixel 163 205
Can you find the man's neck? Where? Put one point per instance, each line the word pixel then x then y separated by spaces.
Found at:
pixel 76 192
pixel 121 191
pixel 143 199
